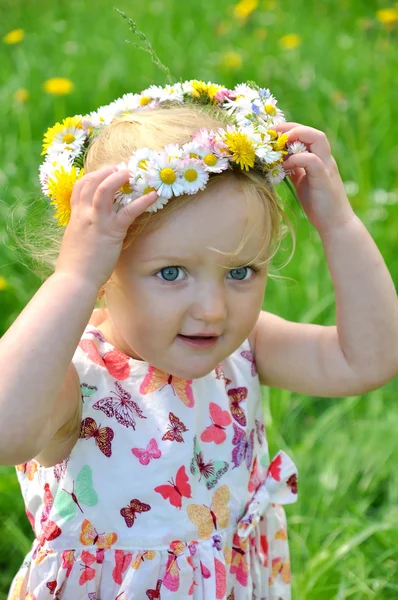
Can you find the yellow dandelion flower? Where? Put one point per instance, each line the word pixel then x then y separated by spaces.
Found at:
pixel 60 187
pixel 3 283
pixel 21 95
pixel 14 37
pixel 241 148
pixel 244 8
pixel 212 90
pixel 232 60
pixel 280 143
pixel 290 41
pixel 58 86
pixel 387 16
pixel 199 88
pixel 58 128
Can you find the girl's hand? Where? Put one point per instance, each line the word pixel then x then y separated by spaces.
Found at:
pixel 94 236
pixel 317 179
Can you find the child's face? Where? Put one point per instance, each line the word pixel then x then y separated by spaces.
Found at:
pixel 150 304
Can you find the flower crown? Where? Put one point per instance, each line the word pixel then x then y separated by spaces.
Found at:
pixel 248 142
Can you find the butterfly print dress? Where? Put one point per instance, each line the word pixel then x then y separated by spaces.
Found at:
pixel 168 493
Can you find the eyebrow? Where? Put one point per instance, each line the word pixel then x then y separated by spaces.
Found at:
pixel 180 259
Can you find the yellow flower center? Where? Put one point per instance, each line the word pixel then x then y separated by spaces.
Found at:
pixel 193 155
pixel 68 138
pixel 126 188
pixel 210 160
pixel 191 175
pixel 167 176
pixel 270 109
pixel 148 190
pixel 145 100
pixel 143 164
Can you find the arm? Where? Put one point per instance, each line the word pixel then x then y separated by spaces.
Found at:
pixel 360 353
pixel 356 356
pixel 35 354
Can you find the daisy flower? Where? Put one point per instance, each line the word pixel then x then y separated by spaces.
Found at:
pixel 164 175
pixel 215 163
pixel 51 164
pixel 125 193
pixel 98 118
pixel 296 147
pixel 173 151
pixel 193 176
pixel 140 160
pixel 68 135
pixel 276 174
pixel 172 92
pixel 243 89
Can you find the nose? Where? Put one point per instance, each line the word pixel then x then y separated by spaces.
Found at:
pixel 210 305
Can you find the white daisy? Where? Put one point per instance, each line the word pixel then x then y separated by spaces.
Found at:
pixel 296 147
pixel 193 176
pixel 173 151
pixel 140 160
pixel 52 164
pixel 242 105
pixel 276 174
pixel 172 92
pixel 268 156
pixel 242 89
pixel 214 163
pixel 70 139
pixel 98 118
pixel 164 175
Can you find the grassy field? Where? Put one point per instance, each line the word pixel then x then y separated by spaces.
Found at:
pixel 330 63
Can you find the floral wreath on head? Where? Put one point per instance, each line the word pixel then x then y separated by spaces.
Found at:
pixel 248 142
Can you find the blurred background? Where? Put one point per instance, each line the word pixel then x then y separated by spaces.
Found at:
pixel 331 65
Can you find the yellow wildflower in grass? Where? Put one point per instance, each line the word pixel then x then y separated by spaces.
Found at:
pixel 14 37
pixel 241 148
pixel 68 123
pixel 290 41
pixel 21 95
pixel 232 60
pixel 3 283
pixel 387 16
pixel 60 188
pixel 58 86
pixel 244 8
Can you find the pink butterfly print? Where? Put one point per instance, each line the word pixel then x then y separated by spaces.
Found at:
pixel 260 429
pixel 244 447
pixel 155 594
pixel 144 455
pixel 60 469
pixel 220 374
pixel 255 477
pixel 221 419
pixel 122 562
pixel 171 579
pixel 236 396
pixel 68 558
pixel 121 407
pixel 249 356
pixel 48 502
pixel 88 572
pixel 205 571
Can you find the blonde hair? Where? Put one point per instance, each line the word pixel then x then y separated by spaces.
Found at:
pixel 154 129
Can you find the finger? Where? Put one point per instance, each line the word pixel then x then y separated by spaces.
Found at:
pixel 87 185
pixel 104 195
pixel 283 127
pixel 315 140
pixel 312 164
pixel 127 214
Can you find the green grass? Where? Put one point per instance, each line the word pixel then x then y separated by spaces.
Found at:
pixel 344 528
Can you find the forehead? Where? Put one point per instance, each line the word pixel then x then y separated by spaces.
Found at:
pixel 216 218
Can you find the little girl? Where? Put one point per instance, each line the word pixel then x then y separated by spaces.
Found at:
pixel 138 436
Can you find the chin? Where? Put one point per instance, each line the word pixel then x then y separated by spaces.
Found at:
pixel 194 373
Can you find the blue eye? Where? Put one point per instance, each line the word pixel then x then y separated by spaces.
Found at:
pixel 241 272
pixel 170 273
